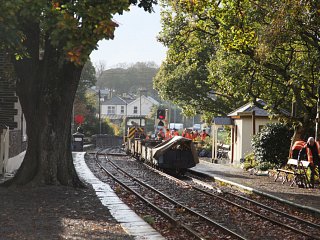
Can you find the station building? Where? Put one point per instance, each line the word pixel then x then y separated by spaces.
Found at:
pixel 244 122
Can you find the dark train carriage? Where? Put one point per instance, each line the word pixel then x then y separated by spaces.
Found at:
pixel 146 148
pixel 177 153
pixel 174 155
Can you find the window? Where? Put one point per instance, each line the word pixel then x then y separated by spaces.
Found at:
pixel 111 110
pixel 122 110
pixel 135 109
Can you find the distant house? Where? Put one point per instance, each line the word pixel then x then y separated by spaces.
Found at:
pixel 118 108
pixel 141 106
pixel 115 109
pixel 245 122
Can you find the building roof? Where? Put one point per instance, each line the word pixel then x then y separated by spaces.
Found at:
pixel 103 92
pixel 150 99
pixel 249 108
pixel 115 100
pixel 222 121
pixel 117 116
pixel 154 101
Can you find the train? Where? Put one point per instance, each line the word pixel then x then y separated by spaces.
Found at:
pixel 174 156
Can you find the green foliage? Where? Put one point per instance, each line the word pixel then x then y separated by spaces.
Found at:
pixel 272 144
pixel 87 80
pixel 91 126
pixel 242 51
pixel 249 161
pixel 224 135
pixel 129 79
pixel 149 219
pixel 72 28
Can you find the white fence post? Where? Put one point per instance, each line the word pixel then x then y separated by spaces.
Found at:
pixel 1 151
pixel 4 150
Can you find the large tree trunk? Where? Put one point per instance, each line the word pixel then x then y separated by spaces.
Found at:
pixel 46 90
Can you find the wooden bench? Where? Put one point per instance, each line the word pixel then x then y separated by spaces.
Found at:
pixel 299 169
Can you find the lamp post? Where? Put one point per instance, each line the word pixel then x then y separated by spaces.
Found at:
pixel 99 93
pixel 141 90
pixel 140 109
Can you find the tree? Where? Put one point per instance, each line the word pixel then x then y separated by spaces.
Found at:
pixel 129 78
pixel 87 80
pixel 184 77
pixel 83 104
pixel 259 49
pixel 50 42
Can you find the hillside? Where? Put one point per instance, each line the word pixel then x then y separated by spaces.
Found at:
pixel 130 79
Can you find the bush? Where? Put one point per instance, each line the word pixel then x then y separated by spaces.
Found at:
pixel 91 126
pixel 272 144
pixel 249 161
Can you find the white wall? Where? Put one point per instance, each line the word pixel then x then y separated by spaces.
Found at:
pixel 242 145
pixel 146 106
pixel 104 109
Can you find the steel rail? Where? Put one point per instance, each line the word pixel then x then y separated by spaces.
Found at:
pixel 177 203
pixel 161 212
pixel 239 206
pixel 262 216
pixel 275 210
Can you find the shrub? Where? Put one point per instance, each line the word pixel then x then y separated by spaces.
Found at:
pixel 272 144
pixel 249 161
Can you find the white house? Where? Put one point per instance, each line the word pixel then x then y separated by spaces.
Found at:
pixel 245 122
pixel 141 106
pixel 118 108
pixel 115 106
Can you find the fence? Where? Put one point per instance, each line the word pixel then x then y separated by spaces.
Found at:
pixel 106 140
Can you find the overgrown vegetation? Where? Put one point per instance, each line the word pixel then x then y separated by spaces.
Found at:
pixel 271 145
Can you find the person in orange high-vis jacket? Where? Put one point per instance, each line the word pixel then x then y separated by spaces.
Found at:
pixel 295 149
pixel 184 133
pixel 312 149
pixel 204 134
pixel 168 134
pixel 175 132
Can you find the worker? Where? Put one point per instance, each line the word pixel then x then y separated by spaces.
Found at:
pixel 203 135
pixel 136 133
pixel 295 149
pixel 160 135
pixel 184 133
pixel 142 135
pixel 175 132
pixel 312 149
pixel 168 134
pixel 190 136
pixel 195 135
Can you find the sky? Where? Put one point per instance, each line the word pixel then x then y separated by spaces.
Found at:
pixel 134 41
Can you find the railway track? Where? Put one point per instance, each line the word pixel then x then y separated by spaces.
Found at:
pixel 280 218
pixel 196 224
pixel 287 224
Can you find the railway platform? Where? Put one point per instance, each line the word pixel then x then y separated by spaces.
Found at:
pixel 128 219
pixel 304 198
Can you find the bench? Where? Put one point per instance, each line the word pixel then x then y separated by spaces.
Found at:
pixel 299 169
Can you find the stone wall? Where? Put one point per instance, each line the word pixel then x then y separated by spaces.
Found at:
pixel 105 140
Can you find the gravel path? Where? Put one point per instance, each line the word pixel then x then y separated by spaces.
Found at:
pixel 55 213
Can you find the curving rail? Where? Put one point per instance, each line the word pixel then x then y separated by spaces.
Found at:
pixel 181 206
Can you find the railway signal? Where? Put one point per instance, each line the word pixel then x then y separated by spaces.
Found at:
pixel 161 114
